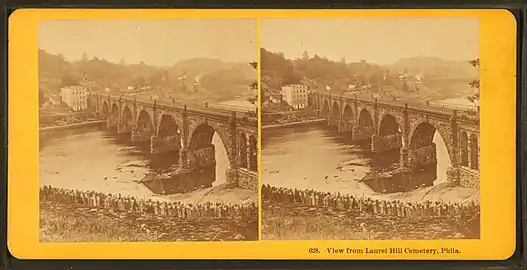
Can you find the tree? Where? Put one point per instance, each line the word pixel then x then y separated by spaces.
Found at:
pixel 474 84
pixel 254 86
pixel 84 57
pixel 70 79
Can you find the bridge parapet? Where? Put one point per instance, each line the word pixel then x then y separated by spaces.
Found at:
pixel 243 118
pixel 419 107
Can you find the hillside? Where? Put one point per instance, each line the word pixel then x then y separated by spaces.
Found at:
pixel 436 78
pixel 436 68
pixel 218 79
pixel 442 79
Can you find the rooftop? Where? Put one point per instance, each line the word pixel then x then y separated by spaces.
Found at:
pixel 291 85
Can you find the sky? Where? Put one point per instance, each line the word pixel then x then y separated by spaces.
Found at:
pixel 377 40
pixel 156 42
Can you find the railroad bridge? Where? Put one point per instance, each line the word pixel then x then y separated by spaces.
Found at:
pixel 409 128
pixel 187 132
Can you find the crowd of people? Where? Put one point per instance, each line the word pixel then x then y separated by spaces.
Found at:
pixel 313 198
pixel 177 209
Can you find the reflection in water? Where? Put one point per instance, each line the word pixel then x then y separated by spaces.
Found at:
pixel 88 158
pixel 319 158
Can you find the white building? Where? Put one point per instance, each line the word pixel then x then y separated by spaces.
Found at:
pixel 295 95
pixel 76 97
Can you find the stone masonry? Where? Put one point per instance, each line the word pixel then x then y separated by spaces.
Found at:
pixel 409 128
pixel 172 127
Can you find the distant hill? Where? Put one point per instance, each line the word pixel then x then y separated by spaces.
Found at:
pixel 219 79
pixel 436 68
pixel 437 78
pixel 442 78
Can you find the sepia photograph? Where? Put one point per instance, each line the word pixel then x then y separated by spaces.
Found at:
pixel 148 130
pixel 370 128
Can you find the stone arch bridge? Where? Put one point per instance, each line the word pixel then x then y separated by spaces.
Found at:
pixel 409 128
pixel 188 133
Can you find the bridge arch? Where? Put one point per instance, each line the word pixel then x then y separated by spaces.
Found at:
pixel 105 109
pixel 167 126
pixel 463 144
pixel 201 136
pixel 128 116
pixel 389 126
pixel 144 123
pixel 335 111
pixel 365 122
pixel 348 118
pixel 347 115
pixel 325 112
pixel 474 152
pixel 423 135
pixel 243 150
pixel 115 110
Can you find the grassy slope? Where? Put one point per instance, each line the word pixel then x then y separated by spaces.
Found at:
pixel 287 222
pixel 59 223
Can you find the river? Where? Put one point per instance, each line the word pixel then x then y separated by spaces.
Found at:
pixel 92 159
pixel 316 157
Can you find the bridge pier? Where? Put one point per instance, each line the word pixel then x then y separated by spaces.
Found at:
pixel 333 123
pixel 452 176
pixel 182 180
pixel 111 123
pixel 164 144
pixel 404 159
pixel 423 156
pixel 463 176
pixel 231 176
pixel 345 127
pixel 202 165
pixel 361 135
pixel 124 127
pixel 241 177
pixel 385 143
pixel 139 136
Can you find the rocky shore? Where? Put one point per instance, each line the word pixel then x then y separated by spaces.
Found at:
pixel 291 124
pixel 71 125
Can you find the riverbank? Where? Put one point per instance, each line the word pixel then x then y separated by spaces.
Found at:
pixel 441 192
pixel 297 222
pixel 68 126
pixel 68 223
pixel 292 124
pixel 217 194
